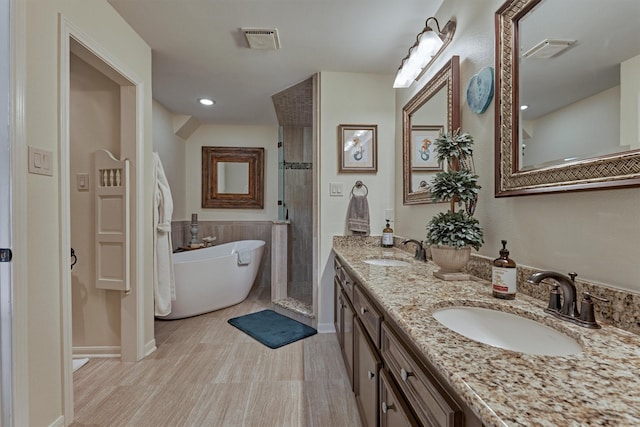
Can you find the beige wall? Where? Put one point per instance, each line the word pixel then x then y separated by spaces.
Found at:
pixel 594 233
pixel 94 124
pixel 172 151
pixel 100 22
pixel 630 102
pixel 232 136
pixel 347 98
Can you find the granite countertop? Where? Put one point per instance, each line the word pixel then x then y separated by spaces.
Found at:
pixel 600 386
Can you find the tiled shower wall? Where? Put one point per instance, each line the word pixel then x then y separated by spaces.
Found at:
pixel 298 199
pixel 231 231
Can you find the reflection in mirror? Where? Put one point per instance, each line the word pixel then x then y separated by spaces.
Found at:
pixel 574 85
pixel 435 109
pixel 568 85
pixel 232 177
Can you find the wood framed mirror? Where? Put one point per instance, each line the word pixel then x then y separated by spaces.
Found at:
pixel 580 87
pixel 433 110
pixel 233 177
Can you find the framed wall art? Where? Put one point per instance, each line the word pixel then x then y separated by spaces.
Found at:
pixel 358 148
pixel 423 149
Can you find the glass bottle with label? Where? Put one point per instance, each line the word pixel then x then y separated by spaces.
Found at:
pixel 387 236
pixel 503 277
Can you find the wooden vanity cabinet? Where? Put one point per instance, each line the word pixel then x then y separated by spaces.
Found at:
pixel 367 367
pixel 394 385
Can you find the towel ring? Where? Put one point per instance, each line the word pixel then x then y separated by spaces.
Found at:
pixel 359 184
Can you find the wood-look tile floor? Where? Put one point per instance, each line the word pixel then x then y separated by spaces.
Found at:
pixel 207 373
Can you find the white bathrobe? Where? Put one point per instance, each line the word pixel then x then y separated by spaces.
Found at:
pixel 164 285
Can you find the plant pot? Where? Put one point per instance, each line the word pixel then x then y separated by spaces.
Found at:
pixel 451 261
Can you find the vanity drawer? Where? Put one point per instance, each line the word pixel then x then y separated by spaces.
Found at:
pixel 393 410
pixel 430 402
pixel 371 318
pixel 343 277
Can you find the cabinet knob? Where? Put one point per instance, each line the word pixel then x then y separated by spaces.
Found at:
pixel 405 375
pixel 370 375
pixel 387 407
pixel 363 310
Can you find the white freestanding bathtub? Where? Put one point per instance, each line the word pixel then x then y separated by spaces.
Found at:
pixel 213 278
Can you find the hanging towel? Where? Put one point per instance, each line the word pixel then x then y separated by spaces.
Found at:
pixel 164 285
pixel 244 258
pixel 358 215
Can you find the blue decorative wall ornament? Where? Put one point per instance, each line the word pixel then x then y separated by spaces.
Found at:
pixel 480 90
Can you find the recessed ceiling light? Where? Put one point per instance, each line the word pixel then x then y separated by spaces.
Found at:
pixel 523 107
pixel 206 101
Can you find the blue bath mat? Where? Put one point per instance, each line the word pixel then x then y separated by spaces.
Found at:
pixel 272 329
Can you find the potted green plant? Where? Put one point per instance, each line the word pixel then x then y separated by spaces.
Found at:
pixel 452 234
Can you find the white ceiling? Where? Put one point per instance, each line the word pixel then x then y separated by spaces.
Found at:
pixel 199 51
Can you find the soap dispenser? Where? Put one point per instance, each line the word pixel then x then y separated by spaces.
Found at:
pixel 503 275
pixel 387 236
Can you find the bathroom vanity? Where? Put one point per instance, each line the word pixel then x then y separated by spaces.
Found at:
pixel 407 369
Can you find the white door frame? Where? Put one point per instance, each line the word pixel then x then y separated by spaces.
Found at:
pixel 15 387
pixel 132 346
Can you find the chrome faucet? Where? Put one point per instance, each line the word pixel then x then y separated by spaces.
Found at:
pixel 421 254
pixel 569 309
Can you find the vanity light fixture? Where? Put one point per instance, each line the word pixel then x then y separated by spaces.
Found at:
pixel 523 107
pixel 206 101
pixel 428 45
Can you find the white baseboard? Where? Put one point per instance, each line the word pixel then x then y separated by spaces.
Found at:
pixel 97 351
pixel 58 423
pixel 326 328
pixel 150 347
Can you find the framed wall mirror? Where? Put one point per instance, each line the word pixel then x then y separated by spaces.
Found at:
pixel 232 177
pixel 433 110
pixel 568 88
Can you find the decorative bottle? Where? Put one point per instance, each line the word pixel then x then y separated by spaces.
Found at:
pixel 387 236
pixel 503 277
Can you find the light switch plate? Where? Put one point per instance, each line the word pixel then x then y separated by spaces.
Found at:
pixel 336 189
pixel 82 181
pixel 40 161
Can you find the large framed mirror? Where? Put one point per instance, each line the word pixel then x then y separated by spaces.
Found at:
pixel 568 88
pixel 433 110
pixel 232 177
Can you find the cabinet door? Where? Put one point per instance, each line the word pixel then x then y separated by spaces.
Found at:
pixel 348 317
pixel 393 409
pixel 337 311
pixel 365 376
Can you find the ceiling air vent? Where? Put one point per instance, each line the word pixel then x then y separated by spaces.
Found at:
pixel 547 48
pixel 262 38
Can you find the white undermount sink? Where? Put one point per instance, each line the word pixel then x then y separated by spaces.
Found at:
pixel 507 331
pixel 387 262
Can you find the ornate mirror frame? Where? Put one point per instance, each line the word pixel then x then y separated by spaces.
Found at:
pixel 212 197
pixel 447 77
pixel 609 171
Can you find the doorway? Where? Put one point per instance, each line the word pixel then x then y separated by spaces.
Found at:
pixel 77 48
